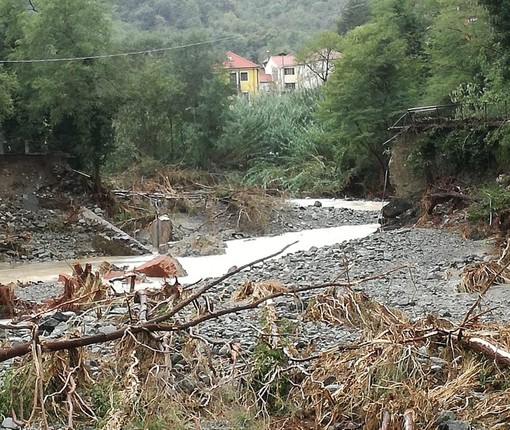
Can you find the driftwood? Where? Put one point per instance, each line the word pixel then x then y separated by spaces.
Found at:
pixel 432 200
pixel 386 420
pixel 409 420
pixel 500 355
pixel 455 334
pixel 151 325
pixel 390 331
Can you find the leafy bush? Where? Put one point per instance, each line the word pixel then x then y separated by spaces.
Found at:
pixel 490 200
pixel 276 141
pixel 466 150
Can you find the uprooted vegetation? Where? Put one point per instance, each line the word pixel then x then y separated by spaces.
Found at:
pixel 213 196
pixel 156 369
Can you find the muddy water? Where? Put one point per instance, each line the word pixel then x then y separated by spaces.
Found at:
pixel 238 252
pixel 362 205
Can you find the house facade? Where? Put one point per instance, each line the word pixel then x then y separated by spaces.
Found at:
pixel 289 74
pixel 284 72
pixel 280 73
pixel 243 74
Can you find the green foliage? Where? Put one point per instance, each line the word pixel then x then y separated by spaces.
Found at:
pixel 268 378
pixel 499 13
pixel 254 27
pixel 7 86
pixel 460 151
pixel 277 142
pixel 70 104
pixel 267 360
pixel 457 48
pixel 17 393
pixel 176 109
pixel 466 149
pixel 499 140
pixel 102 398
pixel 375 80
pixel 489 200
pixel 243 420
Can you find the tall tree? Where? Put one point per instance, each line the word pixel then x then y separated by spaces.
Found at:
pixel 177 105
pixel 7 84
pixel 458 48
pixel 499 12
pixel 205 99
pixel 375 79
pixel 75 99
pixel 12 16
pixel 150 122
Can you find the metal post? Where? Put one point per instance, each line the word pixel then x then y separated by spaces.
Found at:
pixel 283 73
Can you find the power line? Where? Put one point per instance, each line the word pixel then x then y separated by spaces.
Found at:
pixel 123 54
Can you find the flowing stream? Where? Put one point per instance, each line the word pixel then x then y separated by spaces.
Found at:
pixel 238 252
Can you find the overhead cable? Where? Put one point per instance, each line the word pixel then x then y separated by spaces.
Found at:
pixel 121 54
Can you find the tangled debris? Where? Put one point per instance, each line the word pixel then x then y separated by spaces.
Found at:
pixel 155 367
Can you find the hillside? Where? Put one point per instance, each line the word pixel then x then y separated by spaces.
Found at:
pixel 265 25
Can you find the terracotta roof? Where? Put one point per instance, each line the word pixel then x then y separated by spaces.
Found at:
pixel 235 61
pixel 286 60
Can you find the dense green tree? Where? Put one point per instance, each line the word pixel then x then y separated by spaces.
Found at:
pixel 264 25
pixel 205 98
pixel 72 102
pixel 7 84
pixel 458 48
pixel 12 16
pixel 499 12
pixel 375 80
pixel 149 123
pixel 176 107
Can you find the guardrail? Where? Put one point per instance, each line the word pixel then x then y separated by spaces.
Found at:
pixel 425 116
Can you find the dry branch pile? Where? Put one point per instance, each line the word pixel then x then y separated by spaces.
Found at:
pixel 173 190
pixel 158 369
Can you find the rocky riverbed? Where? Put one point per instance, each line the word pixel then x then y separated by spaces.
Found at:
pixel 412 269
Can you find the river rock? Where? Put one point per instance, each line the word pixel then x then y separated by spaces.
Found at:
pixel 8 423
pixel 454 425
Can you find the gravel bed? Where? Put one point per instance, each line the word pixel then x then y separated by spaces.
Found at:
pixel 429 264
pixel 297 218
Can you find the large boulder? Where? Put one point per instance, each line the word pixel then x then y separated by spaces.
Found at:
pixel 399 212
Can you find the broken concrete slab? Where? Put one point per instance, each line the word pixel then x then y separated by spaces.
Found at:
pixel 163 266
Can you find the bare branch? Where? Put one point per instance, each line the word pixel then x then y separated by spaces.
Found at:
pixel 32 7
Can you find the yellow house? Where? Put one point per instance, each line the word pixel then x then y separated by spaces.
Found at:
pixel 244 74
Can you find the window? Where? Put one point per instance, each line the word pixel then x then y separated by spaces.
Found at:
pixel 288 71
pixel 290 86
pixel 233 79
pixel 244 76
